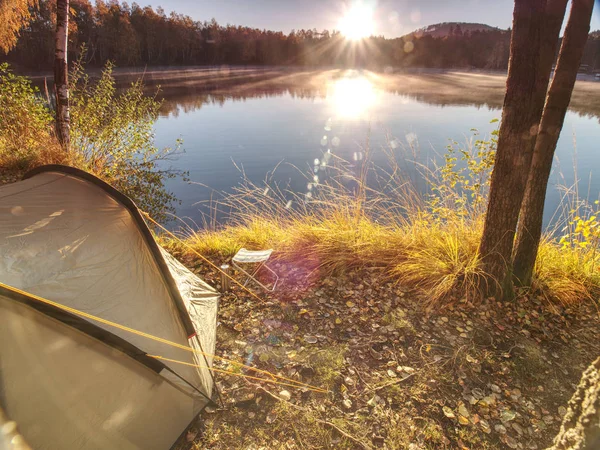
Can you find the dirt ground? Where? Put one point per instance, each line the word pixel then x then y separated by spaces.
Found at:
pixel 399 373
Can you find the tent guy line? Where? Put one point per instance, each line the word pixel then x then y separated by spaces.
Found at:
pixel 190 248
pixel 319 390
pixel 297 384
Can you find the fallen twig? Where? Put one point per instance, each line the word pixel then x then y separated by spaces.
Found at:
pixel 391 383
pixel 343 433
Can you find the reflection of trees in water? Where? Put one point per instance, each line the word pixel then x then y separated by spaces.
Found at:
pixel 188 102
pixel 190 90
pixel 187 93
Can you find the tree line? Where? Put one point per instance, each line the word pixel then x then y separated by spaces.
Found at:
pixel 135 35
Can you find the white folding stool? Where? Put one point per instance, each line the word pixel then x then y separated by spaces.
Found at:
pixel 258 257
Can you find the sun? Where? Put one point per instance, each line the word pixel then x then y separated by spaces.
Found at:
pixel 357 23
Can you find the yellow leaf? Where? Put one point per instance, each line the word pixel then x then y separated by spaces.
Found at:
pixel 349 304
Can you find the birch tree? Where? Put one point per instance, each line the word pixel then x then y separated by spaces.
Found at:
pixel 61 72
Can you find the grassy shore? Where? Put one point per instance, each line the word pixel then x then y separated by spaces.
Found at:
pixel 427 241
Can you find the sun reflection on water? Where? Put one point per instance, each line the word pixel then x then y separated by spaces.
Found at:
pixel 352 98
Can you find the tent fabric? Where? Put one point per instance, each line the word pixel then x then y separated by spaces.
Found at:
pixel 199 300
pixel 67 390
pixel 68 237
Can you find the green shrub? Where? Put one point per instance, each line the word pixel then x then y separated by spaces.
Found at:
pixel 26 133
pixel 111 135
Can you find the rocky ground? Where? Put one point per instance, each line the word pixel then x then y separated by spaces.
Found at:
pixel 400 373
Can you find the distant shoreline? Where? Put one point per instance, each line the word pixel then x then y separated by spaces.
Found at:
pixel 437 86
pixel 124 71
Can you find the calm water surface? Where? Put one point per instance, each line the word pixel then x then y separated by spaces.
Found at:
pixel 255 128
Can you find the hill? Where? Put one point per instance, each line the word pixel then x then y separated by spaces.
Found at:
pixel 454 29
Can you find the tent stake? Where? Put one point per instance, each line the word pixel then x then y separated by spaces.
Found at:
pixel 225 278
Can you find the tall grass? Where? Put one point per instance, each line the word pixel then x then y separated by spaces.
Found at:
pixel 375 217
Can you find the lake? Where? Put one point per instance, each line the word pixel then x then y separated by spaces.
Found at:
pixel 250 121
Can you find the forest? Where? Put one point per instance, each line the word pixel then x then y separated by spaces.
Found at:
pixel 132 35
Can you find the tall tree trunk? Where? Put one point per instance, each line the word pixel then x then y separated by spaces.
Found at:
pixel 61 72
pixel 529 229
pixel 536 26
pixel 580 429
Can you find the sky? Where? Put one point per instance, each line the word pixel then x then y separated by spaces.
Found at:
pixel 391 18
